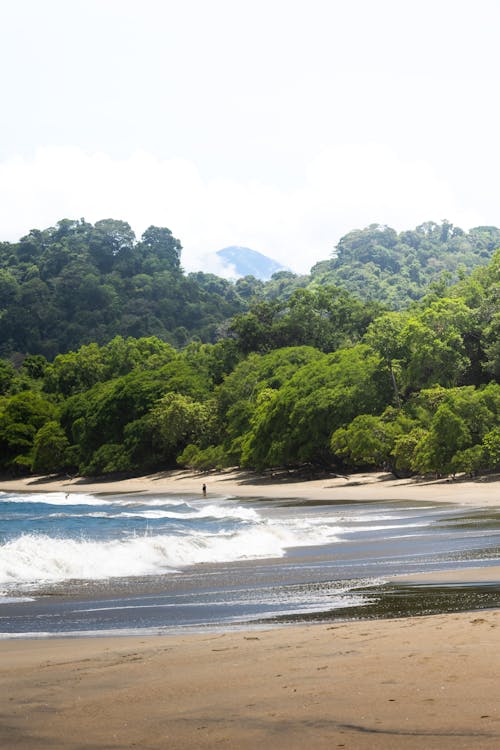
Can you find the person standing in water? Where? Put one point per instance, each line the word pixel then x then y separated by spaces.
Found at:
pixel 204 490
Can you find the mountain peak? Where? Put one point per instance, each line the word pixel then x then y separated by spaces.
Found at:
pixel 248 262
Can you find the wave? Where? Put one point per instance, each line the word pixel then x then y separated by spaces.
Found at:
pixel 54 498
pixel 33 558
pixel 87 498
pixel 166 508
pixel 190 514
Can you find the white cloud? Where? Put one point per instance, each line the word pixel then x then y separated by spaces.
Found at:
pixel 345 187
pixel 279 125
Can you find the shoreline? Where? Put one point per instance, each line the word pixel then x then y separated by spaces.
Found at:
pixel 387 684
pixel 480 492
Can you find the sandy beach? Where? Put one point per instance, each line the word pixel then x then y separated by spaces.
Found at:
pixel 484 491
pixel 428 682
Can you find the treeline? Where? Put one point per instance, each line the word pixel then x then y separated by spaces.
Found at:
pixel 79 283
pixel 378 263
pixel 318 378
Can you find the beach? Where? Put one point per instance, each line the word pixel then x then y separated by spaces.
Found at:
pixel 483 491
pixel 429 682
pixel 426 682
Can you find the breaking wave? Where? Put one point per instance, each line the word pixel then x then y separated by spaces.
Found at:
pixel 131 538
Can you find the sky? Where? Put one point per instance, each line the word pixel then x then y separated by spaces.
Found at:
pixel 278 125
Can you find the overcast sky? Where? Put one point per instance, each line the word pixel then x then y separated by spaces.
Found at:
pixel 275 124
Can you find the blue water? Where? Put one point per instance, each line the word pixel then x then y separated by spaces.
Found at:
pixel 56 537
pixel 80 562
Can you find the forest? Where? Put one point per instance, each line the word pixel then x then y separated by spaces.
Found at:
pixel 115 360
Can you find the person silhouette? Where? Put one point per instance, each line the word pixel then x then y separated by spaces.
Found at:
pixel 204 490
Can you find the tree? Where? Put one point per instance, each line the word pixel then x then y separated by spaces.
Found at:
pixel 159 243
pixel 7 375
pixel 367 441
pixel 176 420
pixel 433 346
pixel 34 365
pixel 491 445
pixel 110 240
pixel 238 394
pixel 470 461
pixel 385 336
pixel 50 449
pixel 491 344
pixel 447 436
pixel 108 459
pixel 21 416
pixel 324 317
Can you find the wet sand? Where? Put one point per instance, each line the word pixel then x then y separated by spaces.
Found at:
pixel 489 574
pixel 427 682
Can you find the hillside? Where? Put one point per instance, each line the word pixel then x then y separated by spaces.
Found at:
pixel 377 263
pixel 320 379
pixel 78 283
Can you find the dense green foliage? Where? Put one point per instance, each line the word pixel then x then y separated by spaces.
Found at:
pixel 325 318
pixel 304 376
pixel 379 264
pixel 79 283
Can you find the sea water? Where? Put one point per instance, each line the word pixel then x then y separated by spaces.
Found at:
pixel 94 563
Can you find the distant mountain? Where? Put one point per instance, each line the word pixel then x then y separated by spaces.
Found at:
pixel 247 262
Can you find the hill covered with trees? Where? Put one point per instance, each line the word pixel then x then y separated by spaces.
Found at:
pixel 78 283
pixel 379 264
pixel 413 391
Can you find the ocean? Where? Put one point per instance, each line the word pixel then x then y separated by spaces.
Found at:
pixel 94 564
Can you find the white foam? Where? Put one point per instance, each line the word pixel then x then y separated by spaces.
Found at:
pixel 210 511
pixel 53 498
pixel 38 557
pixel 220 513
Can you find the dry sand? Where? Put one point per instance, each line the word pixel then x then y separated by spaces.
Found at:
pixel 426 683
pixel 483 491
pixel 429 683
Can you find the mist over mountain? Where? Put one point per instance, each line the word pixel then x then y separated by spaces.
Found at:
pixel 247 262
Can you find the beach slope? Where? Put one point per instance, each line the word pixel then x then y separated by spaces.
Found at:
pixel 427 682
